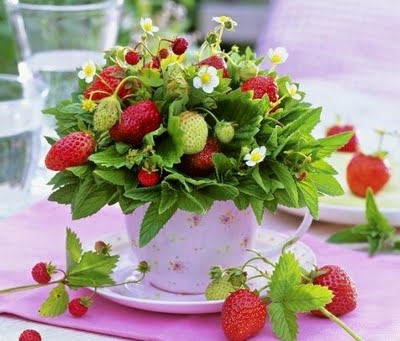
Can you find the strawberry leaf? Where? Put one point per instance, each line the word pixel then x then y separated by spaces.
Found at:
pixel 92 270
pixel 65 194
pixel 377 232
pixel 309 192
pixel 326 183
pixel 285 176
pixel 283 321
pixel 109 158
pixel 286 275
pixel 74 249
pixel 306 297
pixel 330 144
pixel 56 303
pixel 153 221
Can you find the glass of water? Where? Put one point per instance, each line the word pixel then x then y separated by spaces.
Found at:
pixel 21 103
pixel 54 37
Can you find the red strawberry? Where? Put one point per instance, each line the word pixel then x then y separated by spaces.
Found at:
pixel 40 273
pixel 217 62
pixel 136 121
pixel 132 57
pixel 179 46
pixel 200 164
pixel 262 85
pixel 102 248
pixel 353 144
pixel 153 64
pixel 71 150
pixel 342 286
pixel 30 335
pixel 243 315
pixel 365 171
pixel 148 178
pixel 105 84
pixel 79 306
pixel 163 53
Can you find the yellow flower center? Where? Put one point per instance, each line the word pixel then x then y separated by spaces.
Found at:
pixel 206 78
pixel 276 58
pixel 223 19
pixel 89 69
pixel 257 156
pixel 148 26
pixel 88 104
pixel 292 91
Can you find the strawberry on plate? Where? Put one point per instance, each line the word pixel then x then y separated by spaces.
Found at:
pixel 365 171
pixel 353 145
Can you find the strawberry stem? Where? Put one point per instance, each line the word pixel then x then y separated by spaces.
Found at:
pixel 25 287
pixel 340 323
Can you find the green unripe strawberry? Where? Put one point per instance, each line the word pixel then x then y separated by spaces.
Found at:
pixel 219 289
pixel 195 132
pixel 247 69
pixel 107 114
pixel 224 131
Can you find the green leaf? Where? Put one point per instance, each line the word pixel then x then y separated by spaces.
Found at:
pixel 144 194
pixel 284 175
pixel 90 198
pixel 118 177
pixel 169 198
pixel 150 77
pixel 355 234
pixel 74 249
pixel 153 222
pixel 305 123
pixel 326 183
pixel 375 244
pixel 330 144
pixel 306 297
pixel 109 158
pixel 56 303
pixel 188 202
pixel 310 195
pixel 64 195
pixel 62 179
pixel 220 191
pixel 258 208
pixel 287 274
pixel 284 322
pixel 375 218
pixel 223 164
pixel 169 151
pixel 92 270
pixel 128 205
pixel 81 171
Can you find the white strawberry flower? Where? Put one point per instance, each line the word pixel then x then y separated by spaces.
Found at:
pixel 278 55
pixel 207 79
pixel 147 26
pixel 88 71
pixel 227 22
pixel 292 90
pixel 257 155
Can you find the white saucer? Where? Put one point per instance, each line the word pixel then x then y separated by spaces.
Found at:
pixel 147 297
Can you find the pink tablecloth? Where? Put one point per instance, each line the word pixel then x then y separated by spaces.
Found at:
pixel 38 234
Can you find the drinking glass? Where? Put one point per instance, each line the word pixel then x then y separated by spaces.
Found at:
pixel 55 37
pixel 21 103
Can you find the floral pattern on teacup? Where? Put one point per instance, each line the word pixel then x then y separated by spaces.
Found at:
pixel 194 220
pixel 176 266
pixel 228 217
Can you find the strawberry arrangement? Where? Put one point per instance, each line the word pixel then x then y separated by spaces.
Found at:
pixel 158 127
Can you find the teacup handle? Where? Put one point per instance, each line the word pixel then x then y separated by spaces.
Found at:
pixel 301 230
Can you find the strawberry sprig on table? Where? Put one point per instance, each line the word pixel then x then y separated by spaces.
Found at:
pixel 377 232
pixel 84 269
pixel 156 126
pixel 289 290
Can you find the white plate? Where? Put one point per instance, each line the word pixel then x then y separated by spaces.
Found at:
pixel 145 296
pixel 366 113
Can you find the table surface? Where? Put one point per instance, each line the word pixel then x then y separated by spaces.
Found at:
pixel 11 327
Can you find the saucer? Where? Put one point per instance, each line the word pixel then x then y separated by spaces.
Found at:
pixel 145 296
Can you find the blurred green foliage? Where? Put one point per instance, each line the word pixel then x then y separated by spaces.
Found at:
pixel 133 10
